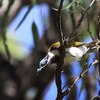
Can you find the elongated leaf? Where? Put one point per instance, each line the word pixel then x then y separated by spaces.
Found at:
pixel 14 46
pixel 35 35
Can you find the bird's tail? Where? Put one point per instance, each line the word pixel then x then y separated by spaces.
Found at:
pixel 95 45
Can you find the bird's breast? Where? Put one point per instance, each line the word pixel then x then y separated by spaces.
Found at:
pixel 74 54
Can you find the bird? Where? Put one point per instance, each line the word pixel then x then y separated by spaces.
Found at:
pixel 74 51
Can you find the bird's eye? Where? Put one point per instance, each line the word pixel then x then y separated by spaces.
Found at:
pixel 43 62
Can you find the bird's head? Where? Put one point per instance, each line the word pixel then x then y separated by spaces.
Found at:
pixel 51 55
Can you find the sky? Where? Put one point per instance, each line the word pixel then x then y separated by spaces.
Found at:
pixel 35 15
pixel 24 35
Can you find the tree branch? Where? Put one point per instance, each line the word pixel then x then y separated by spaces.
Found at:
pixel 81 18
pixel 61 52
pixel 80 76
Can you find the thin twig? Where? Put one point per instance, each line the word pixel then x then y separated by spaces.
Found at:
pixel 61 52
pixel 70 5
pixel 29 9
pixel 80 76
pixel 81 18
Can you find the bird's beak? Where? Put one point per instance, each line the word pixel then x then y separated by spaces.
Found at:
pixel 45 61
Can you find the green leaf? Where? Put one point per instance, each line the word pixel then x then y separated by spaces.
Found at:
pixel 35 35
pixel 92 30
pixel 16 49
pixel 33 2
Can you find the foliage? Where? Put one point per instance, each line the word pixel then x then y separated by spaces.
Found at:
pixel 15 48
pixel 68 18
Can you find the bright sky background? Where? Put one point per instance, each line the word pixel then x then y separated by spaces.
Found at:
pixel 24 32
pixel 24 35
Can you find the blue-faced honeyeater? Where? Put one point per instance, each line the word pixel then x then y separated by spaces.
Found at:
pixel 74 51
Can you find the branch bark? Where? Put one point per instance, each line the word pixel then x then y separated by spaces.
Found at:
pixel 61 52
pixel 66 92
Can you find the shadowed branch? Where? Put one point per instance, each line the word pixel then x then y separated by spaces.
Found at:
pixel 82 18
pixel 61 52
pixel 80 76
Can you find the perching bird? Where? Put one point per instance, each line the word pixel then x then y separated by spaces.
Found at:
pixel 74 51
